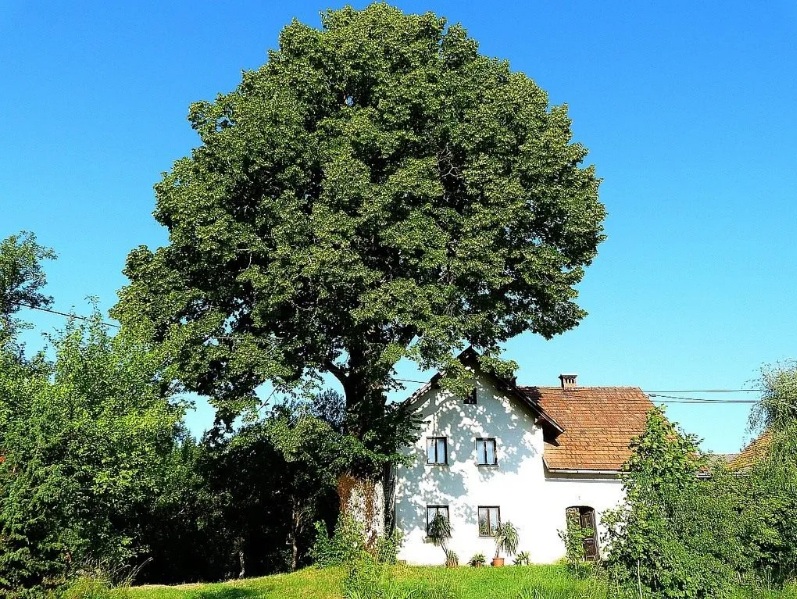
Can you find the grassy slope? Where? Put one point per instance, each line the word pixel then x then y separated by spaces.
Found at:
pixel 533 582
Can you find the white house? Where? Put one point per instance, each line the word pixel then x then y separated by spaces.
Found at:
pixel 522 454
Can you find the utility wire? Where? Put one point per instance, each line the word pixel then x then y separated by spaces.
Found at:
pixel 695 400
pixel 107 324
pixel 657 394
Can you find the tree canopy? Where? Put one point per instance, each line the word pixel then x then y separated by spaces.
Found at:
pixel 84 440
pixel 376 190
pixel 21 279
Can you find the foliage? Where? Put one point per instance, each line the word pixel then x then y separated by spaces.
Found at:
pixel 477 560
pixel 506 539
pixel 21 279
pixel 771 484
pixel 439 532
pixel 452 559
pixel 522 559
pixel 674 537
pixel 573 537
pixel 377 190
pixel 84 441
pixel 347 544
pixel 344 546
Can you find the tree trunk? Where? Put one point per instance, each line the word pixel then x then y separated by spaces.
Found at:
pixel 360 490
pixel 363 500
pixel 296 519
pixel 242 563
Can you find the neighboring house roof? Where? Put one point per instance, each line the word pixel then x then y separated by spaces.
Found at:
pixel 753 453
pixel 599 424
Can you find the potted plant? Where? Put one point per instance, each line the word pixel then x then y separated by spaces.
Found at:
pixel 439 532
pixel 506 540
pixel 478 560
pixel 452 559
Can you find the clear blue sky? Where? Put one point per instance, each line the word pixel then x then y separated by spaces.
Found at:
pixel 688 109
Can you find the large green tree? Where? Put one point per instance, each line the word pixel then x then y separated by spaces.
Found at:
pixel 377 190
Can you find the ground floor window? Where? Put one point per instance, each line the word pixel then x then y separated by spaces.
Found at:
pixel 584 517
pixel 489 520
pixel 432 511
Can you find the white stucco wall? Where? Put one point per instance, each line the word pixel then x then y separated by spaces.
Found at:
pixel 518 484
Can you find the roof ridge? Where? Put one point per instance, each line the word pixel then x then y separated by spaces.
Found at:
pixel 559 388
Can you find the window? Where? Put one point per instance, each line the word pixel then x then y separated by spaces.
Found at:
pixel 489 519
pixel 432 511
pixel 485 452
pixel 470 399
pixel 436 450
pixel 584 517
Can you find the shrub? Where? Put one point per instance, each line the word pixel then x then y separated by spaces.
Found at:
pixel 523 559
pixel 477 560
pixel 347 544
pixel 573 537
pixel 344 546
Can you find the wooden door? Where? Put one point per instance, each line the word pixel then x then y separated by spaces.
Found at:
pixel 588 523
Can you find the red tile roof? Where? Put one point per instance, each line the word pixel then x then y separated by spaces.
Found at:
pixel 753 453
pixel 599 424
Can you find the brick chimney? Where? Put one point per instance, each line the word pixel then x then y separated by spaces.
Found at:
pixel 568 381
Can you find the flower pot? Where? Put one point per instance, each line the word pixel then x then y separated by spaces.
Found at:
pixel 498 562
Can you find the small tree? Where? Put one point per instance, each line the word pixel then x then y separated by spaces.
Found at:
pixel 439 532
pixel 772 481
pixel 670 537
pixel 506 539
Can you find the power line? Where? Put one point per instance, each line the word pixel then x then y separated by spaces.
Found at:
pixel 657 394
pixel 705 391
pixel 700 400
pixel 107 324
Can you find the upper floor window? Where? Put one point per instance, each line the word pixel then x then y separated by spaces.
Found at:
pixel 436 450
pixel 470 398
pixel 485 452
pixel 489 520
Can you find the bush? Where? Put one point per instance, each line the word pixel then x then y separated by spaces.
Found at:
pixel 523 559
pixel 477 560
pixel 347 544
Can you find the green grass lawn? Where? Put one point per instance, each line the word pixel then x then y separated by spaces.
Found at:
pixel 532 582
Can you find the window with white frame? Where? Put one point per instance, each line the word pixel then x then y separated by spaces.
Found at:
pixel 436 450
pixel 486 454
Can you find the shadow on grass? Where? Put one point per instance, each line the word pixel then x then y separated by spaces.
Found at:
pixel 229 593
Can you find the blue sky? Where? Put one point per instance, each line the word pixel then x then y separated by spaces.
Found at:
pixel 688 109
